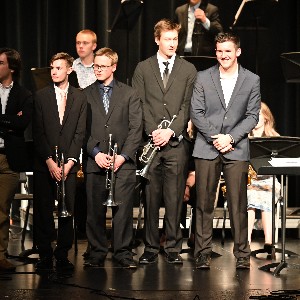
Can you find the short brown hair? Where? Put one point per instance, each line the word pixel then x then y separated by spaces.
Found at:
pixel 14 61
pixel 62 55
pixel 91 32
pixel 223 37
pixel 165 25
pixel 111 54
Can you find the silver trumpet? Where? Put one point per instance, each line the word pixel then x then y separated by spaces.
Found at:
pixel 110 180
pixel 150 150
pixel 60 188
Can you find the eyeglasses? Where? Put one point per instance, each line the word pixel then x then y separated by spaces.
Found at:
pixel 99 68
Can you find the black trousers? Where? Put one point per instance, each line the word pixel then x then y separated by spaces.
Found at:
pixel 43 219
pixel 122 227
pixel 168 174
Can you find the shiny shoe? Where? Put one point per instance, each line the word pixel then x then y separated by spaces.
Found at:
pixel 5 265
pixel 90 263
pixel 148 258
pixel 64 265
pixel 44 264
pixel 243 263
pixel 174 258
pixel 127 263
pixel 203 261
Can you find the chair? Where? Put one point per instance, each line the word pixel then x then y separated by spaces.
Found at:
pixel 25 195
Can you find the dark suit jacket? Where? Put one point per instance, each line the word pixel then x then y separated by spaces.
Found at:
pixel 211 116
pixel 12 127
pixel 48 132
pixel 123 121
pixel 203 40
pixel 161 103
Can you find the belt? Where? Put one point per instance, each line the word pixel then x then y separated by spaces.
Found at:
pixel 2 151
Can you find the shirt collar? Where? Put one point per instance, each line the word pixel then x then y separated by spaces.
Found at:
pixel 79 62
pixel 161 59
pixel 193 8
pixel 57 89
pixel 8 87
pixel 109 85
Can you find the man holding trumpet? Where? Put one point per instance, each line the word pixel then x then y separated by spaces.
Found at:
pixel 114 119
pixel 165 82
pixel 58 132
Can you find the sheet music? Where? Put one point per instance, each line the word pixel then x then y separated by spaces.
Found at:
pixel 285 162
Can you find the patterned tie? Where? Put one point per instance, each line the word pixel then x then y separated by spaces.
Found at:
pixel 62 105
pixel 166 73
pixel 106 98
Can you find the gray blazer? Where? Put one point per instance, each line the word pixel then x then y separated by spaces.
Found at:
pixel 211 116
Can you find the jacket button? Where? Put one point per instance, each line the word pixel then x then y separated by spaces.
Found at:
pixel 106 126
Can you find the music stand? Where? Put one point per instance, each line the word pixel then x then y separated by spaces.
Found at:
pixel 42 78
pixel 261 150
pixel 254 14
pixel 290 63
pixel 201 62
pixel 126 18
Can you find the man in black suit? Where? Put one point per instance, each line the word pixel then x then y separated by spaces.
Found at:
pixel 225 108
pixel 16 112
pixel 200 23
pixel 165 83
pixel 59 120
pixel 113 109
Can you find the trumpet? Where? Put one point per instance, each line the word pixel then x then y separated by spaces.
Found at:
pixel 110 180
pixel 60 188
pixel 150 150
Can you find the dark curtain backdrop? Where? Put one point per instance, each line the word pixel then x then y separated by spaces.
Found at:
pixel 40 28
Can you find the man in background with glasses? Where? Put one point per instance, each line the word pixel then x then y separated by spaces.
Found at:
pixel 113 109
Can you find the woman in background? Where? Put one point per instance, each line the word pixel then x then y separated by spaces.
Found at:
pixel 259 191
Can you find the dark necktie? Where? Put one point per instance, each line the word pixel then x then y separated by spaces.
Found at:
pixel 166 73
pixel 106 98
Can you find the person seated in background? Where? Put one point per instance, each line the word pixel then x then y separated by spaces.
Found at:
pixel 259 191
pixel 200 23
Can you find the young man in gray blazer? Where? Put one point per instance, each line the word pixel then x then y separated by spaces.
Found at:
pixel 225 108
pixel 165 83
pixel 113 109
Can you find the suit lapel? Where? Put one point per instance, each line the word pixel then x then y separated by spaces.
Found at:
pixel 238 85
pixel 53 104
pixel 156 71
pixel 97 98
pixel 215 76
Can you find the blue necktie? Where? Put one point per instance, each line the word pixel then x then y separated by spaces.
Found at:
pixel 106 98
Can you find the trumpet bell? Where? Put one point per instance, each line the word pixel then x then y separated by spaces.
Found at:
pixel 64 214
pixel 110 202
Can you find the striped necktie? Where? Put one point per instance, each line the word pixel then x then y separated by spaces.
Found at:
pixel 106 98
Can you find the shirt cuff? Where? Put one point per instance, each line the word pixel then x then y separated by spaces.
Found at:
pixel 125 156
pixel 206 24
pixel 95 151
pixel 73 159
pixel 232 139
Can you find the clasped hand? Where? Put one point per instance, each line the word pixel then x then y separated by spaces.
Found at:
pixel 104 161
pixel 222 143
pixel 161 137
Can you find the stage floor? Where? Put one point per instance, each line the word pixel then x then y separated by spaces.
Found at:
pixel 159 281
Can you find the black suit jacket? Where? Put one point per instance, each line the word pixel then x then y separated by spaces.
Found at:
pixel 48 132
pixel 123 121
pixel 203 40
pixel 161 103
pixel 12 127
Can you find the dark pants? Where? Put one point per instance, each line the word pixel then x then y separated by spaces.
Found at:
pixel 167 181
pixel 43 219
pixel 207 177
pixel 122 230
